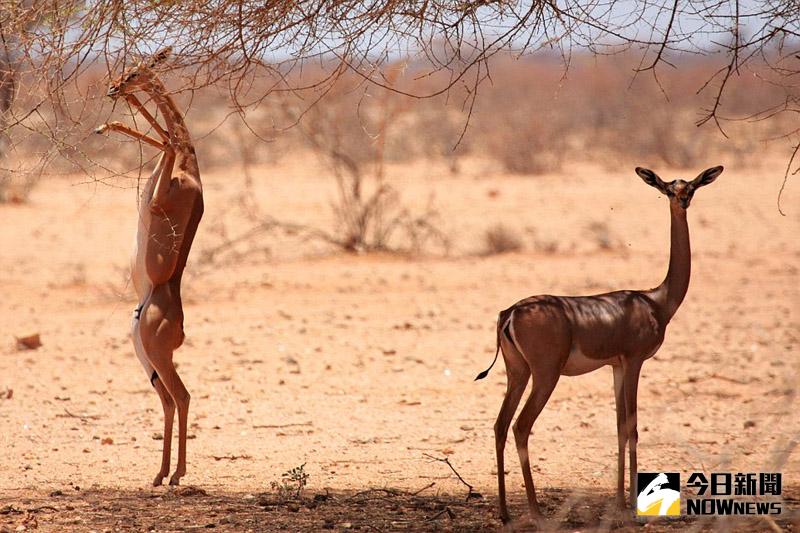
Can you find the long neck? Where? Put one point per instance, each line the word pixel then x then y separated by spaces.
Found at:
pixel 673 289
pixel 179 135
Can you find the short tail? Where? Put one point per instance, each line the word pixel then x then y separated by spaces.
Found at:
pixel 501 320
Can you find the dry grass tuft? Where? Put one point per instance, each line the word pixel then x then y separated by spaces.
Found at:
pixel 500 239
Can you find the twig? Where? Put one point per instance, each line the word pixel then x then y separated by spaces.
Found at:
pixel 731 380
pixel 472 493
pixel 772 524
pixel 82 417
pixel 786 177
pixel 426 487
pixel 390 492
pixel 450 514
pixel 278 426
pixel 42 508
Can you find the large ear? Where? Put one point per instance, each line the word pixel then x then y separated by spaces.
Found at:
pixel 157 58
pixel 162 54
pixel 707 176
pixel 652 179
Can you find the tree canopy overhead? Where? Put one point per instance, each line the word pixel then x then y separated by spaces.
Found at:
pixel 46 47
pixel 227 39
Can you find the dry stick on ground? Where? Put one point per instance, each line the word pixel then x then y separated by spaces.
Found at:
pixel 472 493
pixel 278 426
pixel 426 487
pixel 390 492
pixel 450 514
pixel 82 417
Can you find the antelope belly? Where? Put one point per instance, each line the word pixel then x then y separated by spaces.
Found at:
pixel 141 281
pixel 578 363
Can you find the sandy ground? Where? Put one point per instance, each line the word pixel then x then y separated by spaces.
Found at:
pixel 358 366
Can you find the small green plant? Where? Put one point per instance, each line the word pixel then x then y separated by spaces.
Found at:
pixel 292 483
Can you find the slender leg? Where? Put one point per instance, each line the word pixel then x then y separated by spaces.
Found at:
pixel 163 182
pixel 631 386
pixel 161 334
pixel 518 374
pixel 543 386
pixel 122 128
pixel 169 415
pixel 622 433
pixel 162 362
pixel 181 397
pixel 134 101
pixel 138 335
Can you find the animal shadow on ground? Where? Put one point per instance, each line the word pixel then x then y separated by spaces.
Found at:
pixel 375 509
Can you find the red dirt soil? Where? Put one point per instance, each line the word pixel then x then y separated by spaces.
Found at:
pixel 358 366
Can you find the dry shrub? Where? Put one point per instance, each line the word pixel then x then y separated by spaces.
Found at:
pixel 601 235
pixel 535 114
pixel 437 134
pixel 378 221
pixel 519 121
pixel 500 239
pixel 351 131
pixel 531 117
pixel 17 188
pixel 526 148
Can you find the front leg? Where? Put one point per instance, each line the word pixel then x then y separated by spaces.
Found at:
pixel 631 386
pixel 134 102
pixel 161 190
pixel 122 128
pixel 622 433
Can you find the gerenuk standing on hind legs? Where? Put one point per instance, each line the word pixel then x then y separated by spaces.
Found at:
pixel 169 212
pixel 546 337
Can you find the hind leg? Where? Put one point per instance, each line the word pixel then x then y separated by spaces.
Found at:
pixel 161 334
pixel 167 403
pixel 169 415
pixel 176 391
pixel 543 386
pixel 517 372
pixel 543 337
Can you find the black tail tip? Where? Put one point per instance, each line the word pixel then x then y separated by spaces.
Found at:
pixel 482 374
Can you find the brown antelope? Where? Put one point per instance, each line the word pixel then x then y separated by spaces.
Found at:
pixel 169 212
pixel 545 337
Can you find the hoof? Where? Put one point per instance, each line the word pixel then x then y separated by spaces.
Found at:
pixel 175 480
pixel 539 523
pixel 504 518
pixel 158 480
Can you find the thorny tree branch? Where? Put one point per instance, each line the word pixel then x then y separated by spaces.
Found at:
pixel 57 53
